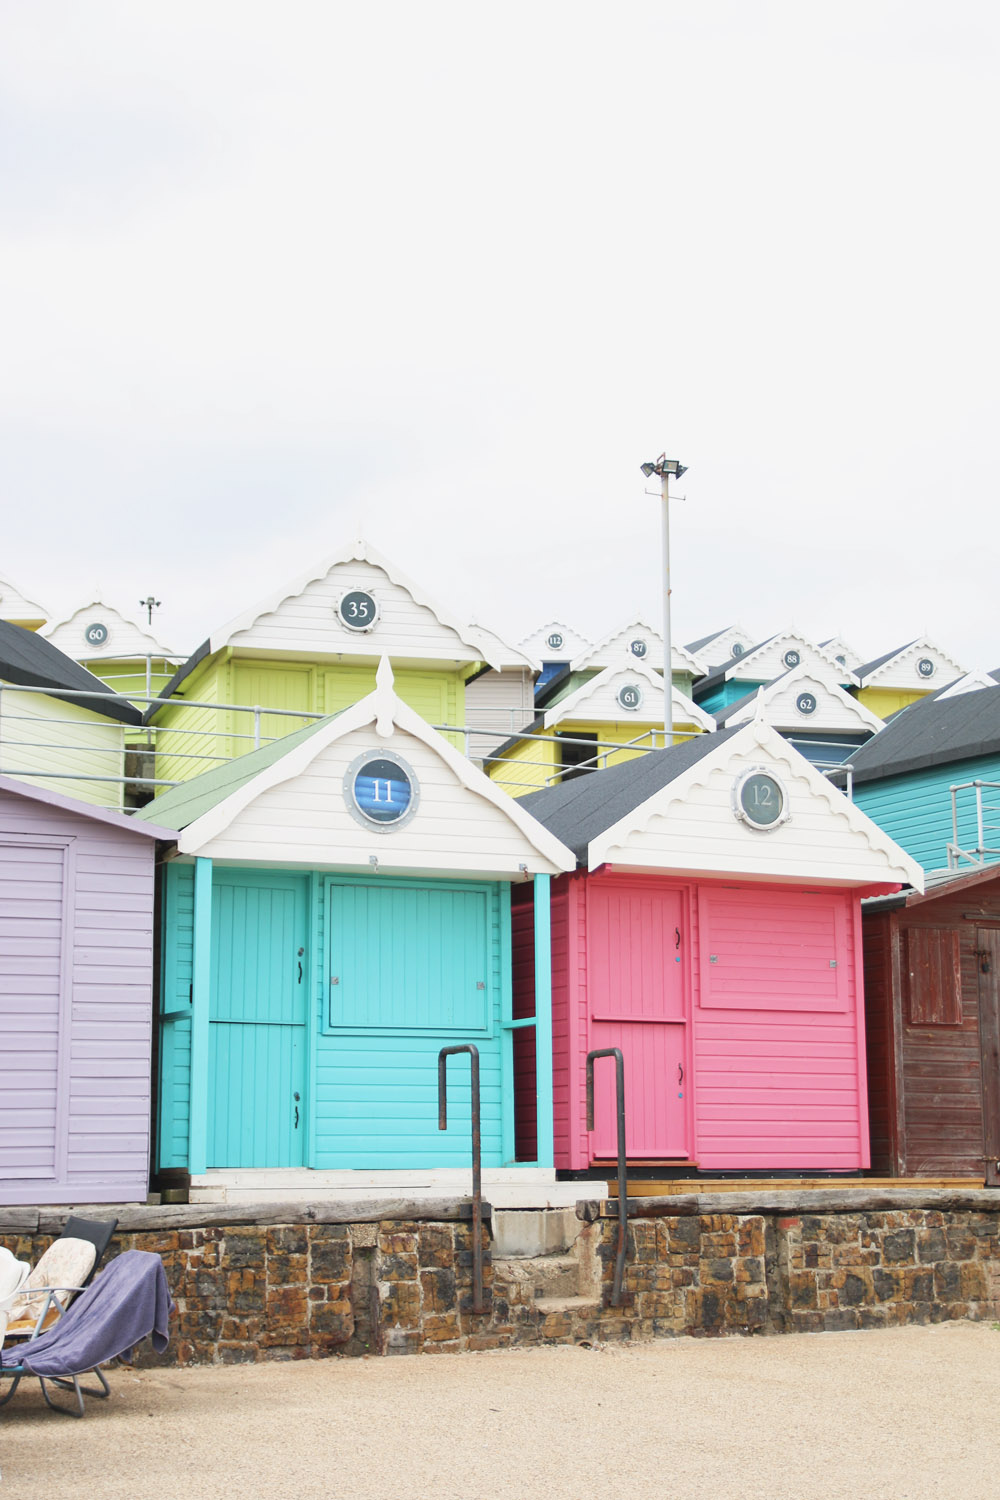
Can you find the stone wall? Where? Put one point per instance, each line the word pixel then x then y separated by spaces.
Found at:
pixel 404 1286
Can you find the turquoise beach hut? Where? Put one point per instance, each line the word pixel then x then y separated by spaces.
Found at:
pixel 337 910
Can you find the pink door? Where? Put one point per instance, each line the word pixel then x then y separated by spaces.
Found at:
pixel 636 989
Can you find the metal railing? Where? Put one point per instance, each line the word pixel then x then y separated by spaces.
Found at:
pixel 477 1171
pixel 987 845
pixel 618 1287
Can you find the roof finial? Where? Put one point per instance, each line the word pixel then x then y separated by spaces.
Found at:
pixel 759 716
pixel 385 699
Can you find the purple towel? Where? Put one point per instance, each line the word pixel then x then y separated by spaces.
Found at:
pixel 127 1301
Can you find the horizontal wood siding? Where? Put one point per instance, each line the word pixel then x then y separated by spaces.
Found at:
pixel 306 822
pixel 306 624
pixel 38 733
pixel 105 1013
pixel 498 704
pixel 915 810
pixel 777 1079
pixel 525 767
pixel 190 740
pixel 376 1090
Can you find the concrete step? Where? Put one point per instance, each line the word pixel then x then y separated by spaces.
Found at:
pixel 526 1233
pixel 578 1306
pixel 541 1275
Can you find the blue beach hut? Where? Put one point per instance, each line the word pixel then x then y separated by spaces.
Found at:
pixel 338 908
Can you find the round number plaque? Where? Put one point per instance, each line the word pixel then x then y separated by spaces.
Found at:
pixel 925 667
pixel 357 610
pixel 738 649
pixel 806 703
pixel 638 648
pixel 96 634
pixel 791 658
pixel 629 696
pixel 381 789
pixel 759 799
pixel 554 641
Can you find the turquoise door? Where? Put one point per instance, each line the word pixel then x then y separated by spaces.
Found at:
pixel 257 1041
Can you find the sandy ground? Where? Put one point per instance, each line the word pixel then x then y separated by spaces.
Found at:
pixel 901 1415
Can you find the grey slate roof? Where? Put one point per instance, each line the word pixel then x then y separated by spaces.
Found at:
pixel 182 804
pixel 880 661
pixel 197 656
pixel 579 810
pixel 29 660
pixel 706 639
pixel 932 732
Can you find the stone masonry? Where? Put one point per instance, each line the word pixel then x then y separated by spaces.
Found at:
pixel 401 1286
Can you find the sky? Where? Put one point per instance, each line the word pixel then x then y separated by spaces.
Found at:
pixel 446 274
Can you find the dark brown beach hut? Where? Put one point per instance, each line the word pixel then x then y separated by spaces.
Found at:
pixel 932 1015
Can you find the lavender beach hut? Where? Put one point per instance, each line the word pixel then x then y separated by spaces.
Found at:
pixel 76 969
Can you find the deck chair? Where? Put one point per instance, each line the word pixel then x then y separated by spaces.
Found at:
pixel 64 1269
pixel 128 1302
pixel 13 1274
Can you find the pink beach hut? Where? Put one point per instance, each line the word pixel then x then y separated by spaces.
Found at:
pixel 712 932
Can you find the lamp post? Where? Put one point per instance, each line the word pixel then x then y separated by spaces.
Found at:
pixel 666 469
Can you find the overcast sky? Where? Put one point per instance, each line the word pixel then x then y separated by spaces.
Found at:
pixel 448 273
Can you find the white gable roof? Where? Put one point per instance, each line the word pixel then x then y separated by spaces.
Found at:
pixel 772 658
pixel 17 606
pixel 690 826
pixel 905 670
pixel 571 642
pixel 713 650
pixel 499 652
pixel 806 700
pixel 972 682
pixel 597 700
pixel 843 653
pixel 638 642
pixel 301 619
pixel 118 637
pixel 296 811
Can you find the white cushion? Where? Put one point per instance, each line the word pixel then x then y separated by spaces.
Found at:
pixel 67 1262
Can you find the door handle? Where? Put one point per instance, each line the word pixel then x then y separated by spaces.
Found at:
pixel 677 937
pixel 301 951
pixel 680 1072
pixel 295 1096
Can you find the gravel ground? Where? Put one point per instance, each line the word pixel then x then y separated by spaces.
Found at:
pixel 901 1415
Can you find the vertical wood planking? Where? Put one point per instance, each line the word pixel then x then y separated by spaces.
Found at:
pixel 543 1022
pixel 201 1001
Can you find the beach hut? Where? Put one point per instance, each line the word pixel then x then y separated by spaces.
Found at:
pixel 337 911
pixel 639 643
pixel 311 649
pixel 761 664
pixel 499 699
pixel 810 708
pixel 720 646
pixel 76 1009
pixel 590 722
pixel 712 932
pixel 554 645
pixel 125 655
pixel 904 675
pixel 932 1008
pixel 60 727
pixel 931 779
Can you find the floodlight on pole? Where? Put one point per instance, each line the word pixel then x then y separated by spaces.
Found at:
pixel 666 469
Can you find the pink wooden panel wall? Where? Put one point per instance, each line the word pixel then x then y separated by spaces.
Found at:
pixel 775 1023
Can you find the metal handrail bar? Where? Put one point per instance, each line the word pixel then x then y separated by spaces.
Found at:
pixel 954 850
pixel 477 1176
pixel 90 776
pixel 238 708
pixel 618 1287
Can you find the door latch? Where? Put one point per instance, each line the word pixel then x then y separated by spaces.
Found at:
pixel 301 951
pixel 295 1096
pixel 984 955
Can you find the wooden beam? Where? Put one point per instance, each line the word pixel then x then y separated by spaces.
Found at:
pixel 136 1217
pixel 793 1201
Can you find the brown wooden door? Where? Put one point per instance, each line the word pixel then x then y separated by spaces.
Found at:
pixel 988 959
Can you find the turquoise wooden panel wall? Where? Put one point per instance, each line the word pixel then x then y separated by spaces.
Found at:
pixel 376 1088
pixel 175 1009
pixel 259 1015
pixel 369 1090
pixel 915 810
pixel 727 692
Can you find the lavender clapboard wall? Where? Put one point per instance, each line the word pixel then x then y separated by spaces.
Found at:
pixel 76 963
